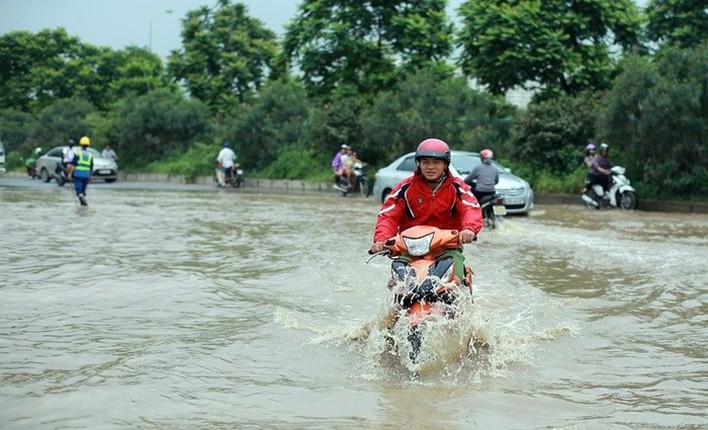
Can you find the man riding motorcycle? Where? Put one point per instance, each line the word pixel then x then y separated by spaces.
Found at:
pixel 600 171
pixel 484 176
pixel 432 196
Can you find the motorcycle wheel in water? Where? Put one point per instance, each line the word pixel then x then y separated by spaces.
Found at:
pixel 235 178
pixel 493 210
pixel 424 285
pixel 60 175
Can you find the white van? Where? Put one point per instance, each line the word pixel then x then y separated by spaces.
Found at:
pixel 2 159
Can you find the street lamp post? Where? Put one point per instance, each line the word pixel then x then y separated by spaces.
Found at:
pixel 168 11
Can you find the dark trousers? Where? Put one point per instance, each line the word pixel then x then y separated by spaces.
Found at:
pixel 80 185
pixel 602 180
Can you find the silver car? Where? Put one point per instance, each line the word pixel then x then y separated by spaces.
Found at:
pixel 518 195
pixel 103 168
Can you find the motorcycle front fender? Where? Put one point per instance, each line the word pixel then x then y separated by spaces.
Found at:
pixel 420 311
pixel 624 188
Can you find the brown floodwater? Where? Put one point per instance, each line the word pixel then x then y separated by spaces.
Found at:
pixel 203 308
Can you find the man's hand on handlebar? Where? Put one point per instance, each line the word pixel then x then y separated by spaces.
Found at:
pixel 376 247
pixel 467 236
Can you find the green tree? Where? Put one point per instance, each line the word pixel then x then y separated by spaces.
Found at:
pixel 15 132
pixel 138 71
pixel 550 135
pixel 156 126
pixel 559 47
pixel 37 69
pixel 62 120
pixel 276 122
pixel 657 115
pixel 226 55
pixel 336 123
pixel 431 105
pixel 365 45
pixel 680 22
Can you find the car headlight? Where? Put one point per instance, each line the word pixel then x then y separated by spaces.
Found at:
pixel 418 246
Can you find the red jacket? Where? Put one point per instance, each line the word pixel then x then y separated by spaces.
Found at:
pixel 412 202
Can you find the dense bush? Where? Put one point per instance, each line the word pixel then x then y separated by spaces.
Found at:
pixel 657 117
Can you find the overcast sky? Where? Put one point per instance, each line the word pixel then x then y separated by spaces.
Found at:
pixel 120 23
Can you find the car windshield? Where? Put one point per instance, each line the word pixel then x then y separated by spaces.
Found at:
pixel 95 153
pixel 464 163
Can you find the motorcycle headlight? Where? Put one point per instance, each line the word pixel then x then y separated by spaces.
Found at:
pixel 418 246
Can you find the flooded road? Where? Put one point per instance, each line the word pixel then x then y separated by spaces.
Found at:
pixel 229 309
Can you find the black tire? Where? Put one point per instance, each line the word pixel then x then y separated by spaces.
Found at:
pixel 364 189
pixel 491 219
pixel 61 179
pixel 415 338
pixel 44 175
pixel 628 200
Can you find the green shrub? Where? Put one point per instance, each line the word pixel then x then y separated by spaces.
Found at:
pixel 199 160
pixel 298 163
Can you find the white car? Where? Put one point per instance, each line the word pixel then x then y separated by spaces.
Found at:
pixel 103 168
pixel 518 195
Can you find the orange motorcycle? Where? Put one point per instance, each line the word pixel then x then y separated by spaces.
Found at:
pixel 423 279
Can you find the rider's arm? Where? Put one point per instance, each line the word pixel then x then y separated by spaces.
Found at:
pixel 390 215
pixel 470 211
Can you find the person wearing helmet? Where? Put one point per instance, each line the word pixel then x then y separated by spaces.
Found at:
pixel 225 162
pixel 341 165
pixel 600 170
pixel 30 163
pixel 588 160
pixel 484 177
pixel 432 196
pixel 80 169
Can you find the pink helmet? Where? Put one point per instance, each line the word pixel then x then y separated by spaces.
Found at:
pixel 486 153
pixel 434 148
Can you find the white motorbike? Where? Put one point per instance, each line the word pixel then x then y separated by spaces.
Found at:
pixel 621 194
pixel 361 182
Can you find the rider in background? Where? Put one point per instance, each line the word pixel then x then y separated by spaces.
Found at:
pixel 109 153
pixel 29 163
pixel 588 160
pixel 68 154
pixel 340 164
pixel 600 171
pixel 225 162
pixel 484 177
pixel 432 196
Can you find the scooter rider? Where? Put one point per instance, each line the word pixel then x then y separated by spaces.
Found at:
pixel 600 171
pixel 587 162
pixel 432 196
pixel 68 155
pixel 484 175
pixel 340 165
pixel 225 160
